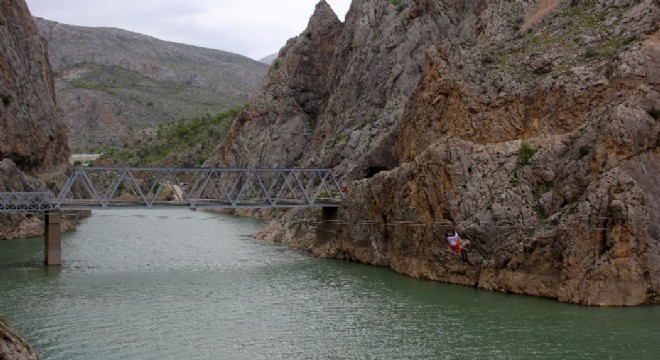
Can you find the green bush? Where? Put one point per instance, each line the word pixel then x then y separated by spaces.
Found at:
pixel 525 154
pixel 6 99
pixel 655 113
pixel 395 2
pixel 196 137
pixel 583 151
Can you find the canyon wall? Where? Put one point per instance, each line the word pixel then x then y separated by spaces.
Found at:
pixel 33 135
pixel 530 125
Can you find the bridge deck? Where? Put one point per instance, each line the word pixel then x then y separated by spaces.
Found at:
pixel 105 188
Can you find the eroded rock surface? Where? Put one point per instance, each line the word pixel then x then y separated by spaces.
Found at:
pixel 532 125
pixel 33 135
pixel 33 132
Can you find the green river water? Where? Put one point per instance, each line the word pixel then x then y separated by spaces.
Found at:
pixel 193 285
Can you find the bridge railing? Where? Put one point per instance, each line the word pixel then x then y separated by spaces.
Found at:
pixel 26 202
pixel 113 188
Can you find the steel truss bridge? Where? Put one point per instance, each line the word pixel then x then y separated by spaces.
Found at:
pixel 107 188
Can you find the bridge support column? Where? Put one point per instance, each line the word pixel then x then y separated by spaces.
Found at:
pixel 326 230
pixel 52 238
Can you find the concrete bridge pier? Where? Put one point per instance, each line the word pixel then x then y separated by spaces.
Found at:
pixel 326 230
pixel 52 237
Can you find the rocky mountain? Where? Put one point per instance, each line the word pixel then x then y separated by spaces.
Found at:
pixel 111 82
pixel 531 125
pixel 33 135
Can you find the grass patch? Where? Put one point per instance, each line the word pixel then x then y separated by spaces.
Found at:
pixel 340 138
pixel 313 122
pixel 609 48
pixel 540 211
pixel 395 2
pixel 91 86
pixel 585 16
pixel 542 188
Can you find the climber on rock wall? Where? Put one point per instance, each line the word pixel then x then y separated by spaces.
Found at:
pixel 453 240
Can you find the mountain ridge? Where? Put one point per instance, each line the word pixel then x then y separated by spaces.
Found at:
pixel 112 82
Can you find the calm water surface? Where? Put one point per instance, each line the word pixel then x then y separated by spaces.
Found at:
pixel 193 285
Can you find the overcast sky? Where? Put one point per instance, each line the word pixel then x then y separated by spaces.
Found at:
pixel 254 28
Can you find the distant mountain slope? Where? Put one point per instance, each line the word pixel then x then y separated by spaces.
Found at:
pixel 112 82
pixel 269 59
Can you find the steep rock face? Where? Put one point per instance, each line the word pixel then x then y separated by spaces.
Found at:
pixel 33 136
pixel 33 132
pixel 533 126
pixel 335 95
pixel 291 99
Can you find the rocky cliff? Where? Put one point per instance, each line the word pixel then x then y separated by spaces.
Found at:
pixel 13 347
pixel 531 125
pixel 112 83
pixel 577 217
pixel 33 135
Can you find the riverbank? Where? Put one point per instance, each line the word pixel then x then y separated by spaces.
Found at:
pixel 430 259
pixel 13 346
pixel 21 226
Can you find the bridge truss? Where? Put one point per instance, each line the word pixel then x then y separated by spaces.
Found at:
pixel 26 202
pixel 90 188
